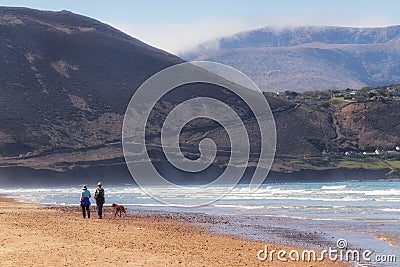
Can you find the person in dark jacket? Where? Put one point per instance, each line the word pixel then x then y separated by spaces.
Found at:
pixel 100 199
pixel 85 202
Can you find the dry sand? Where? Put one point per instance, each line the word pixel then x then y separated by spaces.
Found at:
pixel 35 236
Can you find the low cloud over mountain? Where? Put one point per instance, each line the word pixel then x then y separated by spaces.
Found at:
pixel 310 58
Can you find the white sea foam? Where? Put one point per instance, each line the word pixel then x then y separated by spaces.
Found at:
pixel 391 210
pixel 389 199
pixel 387 192
pixel 145 205
pixel 242 207
pixel 333 187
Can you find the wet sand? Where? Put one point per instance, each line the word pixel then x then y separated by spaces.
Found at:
pixel 31 235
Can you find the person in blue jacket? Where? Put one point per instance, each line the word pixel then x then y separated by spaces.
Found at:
pixel 85 202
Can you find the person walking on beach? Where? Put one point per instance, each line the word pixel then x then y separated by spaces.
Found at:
pixel 85 202
pixel 100 199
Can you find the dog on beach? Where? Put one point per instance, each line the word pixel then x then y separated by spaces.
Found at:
pixel 118 209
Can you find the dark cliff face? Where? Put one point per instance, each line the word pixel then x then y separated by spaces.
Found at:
pixel 310 58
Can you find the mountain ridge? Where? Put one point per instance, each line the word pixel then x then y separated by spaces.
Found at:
pixel 310 58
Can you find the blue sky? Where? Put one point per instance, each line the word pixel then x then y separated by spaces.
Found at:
pixel 176 26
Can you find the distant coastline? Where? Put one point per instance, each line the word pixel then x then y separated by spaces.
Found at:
pixel 119 174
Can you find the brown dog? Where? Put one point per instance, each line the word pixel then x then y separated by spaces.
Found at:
pixel 118 208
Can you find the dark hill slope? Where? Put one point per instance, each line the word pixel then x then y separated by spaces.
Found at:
pixel 65 79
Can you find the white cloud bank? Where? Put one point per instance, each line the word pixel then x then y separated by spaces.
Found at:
pixel 179 38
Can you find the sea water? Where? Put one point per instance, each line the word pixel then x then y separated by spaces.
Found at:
pixel 367 213
pixel 368 201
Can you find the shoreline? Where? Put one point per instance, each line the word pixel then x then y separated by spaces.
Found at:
pixel 35 235
pixel 296 231
pixel 119 174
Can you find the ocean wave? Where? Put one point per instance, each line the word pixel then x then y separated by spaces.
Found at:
pixel 390 199
pixel 390 210
pixel 386 192
pixel 145 205
pixel 333 187
pixel 242 207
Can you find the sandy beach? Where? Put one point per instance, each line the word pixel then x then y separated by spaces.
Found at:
pixel 31 235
